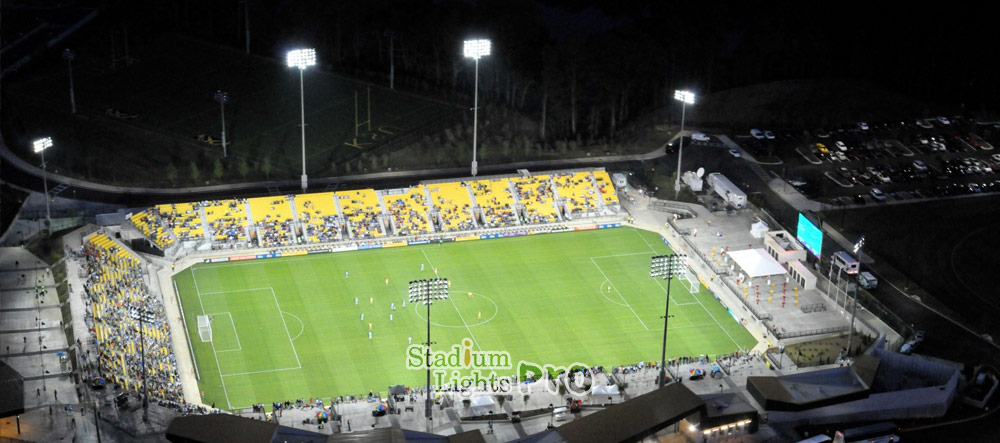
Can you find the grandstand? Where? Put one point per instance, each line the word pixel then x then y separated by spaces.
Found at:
pixel 537 198
pixel 434 207
pixel 496 205
pixel 318 215
pixel 576 190
pixel 121 310
pixel 184 219
pixel 408 211
pixel 272 221
pixel 361 210
pixel 152 227
pixel 453 205
pixel 228 220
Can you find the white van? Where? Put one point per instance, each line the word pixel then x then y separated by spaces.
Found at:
pixel 846 262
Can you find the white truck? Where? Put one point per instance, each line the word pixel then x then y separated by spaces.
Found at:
pixel 727 190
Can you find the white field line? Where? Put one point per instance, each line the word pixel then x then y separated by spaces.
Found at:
pixel 619 293
pixel 467 328
pixel 702 304
pixel 286 328
pixel 214 354
pixel 235 334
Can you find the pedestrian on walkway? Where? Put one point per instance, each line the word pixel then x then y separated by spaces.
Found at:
pixel 55 393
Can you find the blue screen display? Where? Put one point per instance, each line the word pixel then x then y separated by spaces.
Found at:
pixel 810 236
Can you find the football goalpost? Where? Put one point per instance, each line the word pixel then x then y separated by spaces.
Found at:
pixel 205 328
pixel 690 280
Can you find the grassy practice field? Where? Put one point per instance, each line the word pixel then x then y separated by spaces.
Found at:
pixel 289 328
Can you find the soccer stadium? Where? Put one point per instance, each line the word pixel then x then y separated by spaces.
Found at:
pixel 467 221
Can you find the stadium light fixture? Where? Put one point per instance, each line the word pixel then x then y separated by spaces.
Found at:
pixel 426 291
pixel 223 97
pixel 475 49
pixel 40 146
pixel 665 267
pixel 302 59
pixel 686 98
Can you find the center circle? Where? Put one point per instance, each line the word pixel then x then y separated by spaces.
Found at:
pixel 473 309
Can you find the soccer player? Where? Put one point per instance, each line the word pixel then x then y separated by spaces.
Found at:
pixel 369 326
pixel 347 274
pixel 393 306
pixel 409 340
pixel 421 266
pixel 371 300
pixel 369 335
pixel 387 281
pixel 390 317
pixel 362 316
pixel 355 301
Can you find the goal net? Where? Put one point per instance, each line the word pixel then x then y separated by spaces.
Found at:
pixel 205 328
pixel 690 280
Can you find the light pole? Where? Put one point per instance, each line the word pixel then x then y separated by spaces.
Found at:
pixel 40 146
pixel 686 98
pixel 857 281
pixel 302 59
pixel 69 55
pixel 475 49
pixel 665 267
pixel 223 97
pixel 426 291
pixel 392 60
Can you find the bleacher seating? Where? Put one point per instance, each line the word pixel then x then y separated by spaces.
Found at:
pixel 118 305
pixel 493 196
pixel 535 193
pixel 452 201
pixel 318 214
pixel 227 218
pixel 183 218
pixel 361 209
pixel 409 211
pixel 606 188
pixel 272 216
pixel 578 191
pixel 151 226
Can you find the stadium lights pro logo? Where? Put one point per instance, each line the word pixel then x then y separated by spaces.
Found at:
pixel 473 371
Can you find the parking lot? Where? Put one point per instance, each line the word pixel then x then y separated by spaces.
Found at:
pixel 874 162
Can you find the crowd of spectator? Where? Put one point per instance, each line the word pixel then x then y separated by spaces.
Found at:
pixel 319 227
pixel 494 198
pixel 227 219
pixel 409 212
pixel 273 221
pixel 360 208
pixel 536 194
pixel 125 319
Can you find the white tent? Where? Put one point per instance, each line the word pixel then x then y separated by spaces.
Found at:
pixel 757 263
pixel 606 390
pixel 482 405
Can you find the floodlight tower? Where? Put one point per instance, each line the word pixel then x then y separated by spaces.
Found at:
pixel 40 146
pixel 302 59
pixel 223 97
pixel 686 98
pixel 475 49
pixel 426 291
pixel 69 55
pixel 857 281
pixel 665 267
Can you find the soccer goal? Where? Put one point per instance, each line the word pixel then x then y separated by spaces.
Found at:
pixel 205 328
pixel 690 280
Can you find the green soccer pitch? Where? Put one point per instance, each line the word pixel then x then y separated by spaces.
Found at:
pixel 289 328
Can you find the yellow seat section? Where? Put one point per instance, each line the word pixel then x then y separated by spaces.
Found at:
pixel 409 211
pixel 535 193
pixel 578 191
pixel 361 209
pixel 183 218
pixel 318 214
pixel 606 188
pixel 493 196
pixel 452 201
pixel 272 216
pixel 227 218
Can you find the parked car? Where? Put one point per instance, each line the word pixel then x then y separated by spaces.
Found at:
pixel 943 120
pixel 734 152
pixel 920 166
pixel 822 148
pixel 757 134
pixel 769 135
pixel 924 124
pixel 863 126
pixel 877 194
pixel 700 137
pixel 841 145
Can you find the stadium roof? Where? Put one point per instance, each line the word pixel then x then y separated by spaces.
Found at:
pixel 12 386
pixel 799 392
pixel 227 428
pixel 632 420
pixel 757 263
